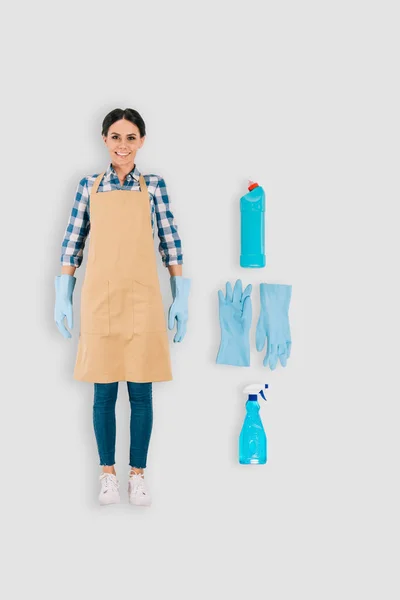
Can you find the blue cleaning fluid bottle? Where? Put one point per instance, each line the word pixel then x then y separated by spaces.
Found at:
pixel 252 439
pixel 252 227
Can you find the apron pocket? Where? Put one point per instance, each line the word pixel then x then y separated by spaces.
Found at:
pixel 148 310
pixel 95 309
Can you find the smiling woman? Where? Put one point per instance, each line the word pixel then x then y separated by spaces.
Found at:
pixel 123 137
pixel 123 334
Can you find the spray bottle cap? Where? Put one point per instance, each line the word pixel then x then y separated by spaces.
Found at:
pixel 252 185
pixel 256 388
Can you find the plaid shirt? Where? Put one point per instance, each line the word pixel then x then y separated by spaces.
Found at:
pixel 79 222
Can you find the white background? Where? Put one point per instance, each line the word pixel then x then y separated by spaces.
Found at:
pixel 304 98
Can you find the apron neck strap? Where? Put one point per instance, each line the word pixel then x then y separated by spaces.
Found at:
pixel 143 186
pixel 97 182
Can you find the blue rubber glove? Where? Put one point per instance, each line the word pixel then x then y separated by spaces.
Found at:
pixel 180 287
pixel 235 321
pixel 273 323
pixel 64 288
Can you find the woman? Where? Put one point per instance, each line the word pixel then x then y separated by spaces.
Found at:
pixel 123 333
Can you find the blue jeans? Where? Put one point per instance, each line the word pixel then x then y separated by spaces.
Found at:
pixel 140 398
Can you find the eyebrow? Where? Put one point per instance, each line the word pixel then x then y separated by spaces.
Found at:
pixel 120 134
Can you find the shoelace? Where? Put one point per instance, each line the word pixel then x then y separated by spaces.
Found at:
pixel 109 481
pixel 138 486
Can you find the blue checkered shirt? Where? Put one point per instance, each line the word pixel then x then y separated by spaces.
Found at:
pixel 79 222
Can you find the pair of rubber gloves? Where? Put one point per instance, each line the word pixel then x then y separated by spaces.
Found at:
pixel 235 314
pixel 178 311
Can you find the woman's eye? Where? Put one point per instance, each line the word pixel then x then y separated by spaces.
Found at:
pixel 131 138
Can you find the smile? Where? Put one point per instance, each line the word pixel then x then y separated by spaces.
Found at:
pixel 122 154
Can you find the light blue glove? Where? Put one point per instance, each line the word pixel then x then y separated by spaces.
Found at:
pixel 273 323
pixel 235 320
pixel 64 288
pixel 180 287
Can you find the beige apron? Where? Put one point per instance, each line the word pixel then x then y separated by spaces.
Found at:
pixel 123 333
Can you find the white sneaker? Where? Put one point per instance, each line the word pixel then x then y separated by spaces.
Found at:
pixel 109 493
pixel 138 492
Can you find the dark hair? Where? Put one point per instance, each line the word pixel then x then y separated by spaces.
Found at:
pixel 129 114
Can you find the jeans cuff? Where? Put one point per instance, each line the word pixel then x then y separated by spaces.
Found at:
pixel 138 464
pixel 107 461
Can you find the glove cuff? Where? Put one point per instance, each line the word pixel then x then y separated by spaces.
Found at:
pixel 180 286
pixel 233 353
pixel 65 285
pixel 275 291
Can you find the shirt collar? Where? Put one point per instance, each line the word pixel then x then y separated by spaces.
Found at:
pixel 110 172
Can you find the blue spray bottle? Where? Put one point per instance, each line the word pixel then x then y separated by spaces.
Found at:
pixel 252 227
pixel 252 439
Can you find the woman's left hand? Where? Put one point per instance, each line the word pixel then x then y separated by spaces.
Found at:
pixel 180 287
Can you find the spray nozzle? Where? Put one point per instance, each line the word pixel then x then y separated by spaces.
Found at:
pixel 262 391
pixel 256 388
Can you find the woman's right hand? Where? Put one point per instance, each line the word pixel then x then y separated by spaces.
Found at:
pixel 64 285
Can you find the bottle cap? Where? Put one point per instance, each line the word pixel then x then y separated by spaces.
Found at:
pixel 252 185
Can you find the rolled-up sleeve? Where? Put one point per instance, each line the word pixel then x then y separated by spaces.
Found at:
pixel 170 246
pixel 78 227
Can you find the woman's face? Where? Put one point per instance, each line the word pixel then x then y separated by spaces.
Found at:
pixel 123 141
